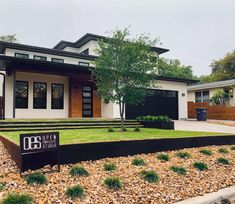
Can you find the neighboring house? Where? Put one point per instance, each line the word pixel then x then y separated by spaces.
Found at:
pixel 203 92
pixel 57 83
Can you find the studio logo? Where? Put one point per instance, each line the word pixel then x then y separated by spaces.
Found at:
pixel 32 143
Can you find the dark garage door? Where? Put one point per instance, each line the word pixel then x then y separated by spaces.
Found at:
pixel 158 102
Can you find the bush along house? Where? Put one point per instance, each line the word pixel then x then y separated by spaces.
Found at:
pixel 56 82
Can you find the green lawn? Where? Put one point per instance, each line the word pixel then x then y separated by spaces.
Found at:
pixel 100 135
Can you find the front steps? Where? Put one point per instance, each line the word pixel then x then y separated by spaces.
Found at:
pixel 38 125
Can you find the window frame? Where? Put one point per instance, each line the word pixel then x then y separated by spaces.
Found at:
pixel 85 64
pixel 43 58
pixel 208 96
pixel 57 60
pixel 52 96
pixel 22 54
pixel 196 97
pixel 27 104
pixel 45 95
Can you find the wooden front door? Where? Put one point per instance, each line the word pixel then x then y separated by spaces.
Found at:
pixel 87 101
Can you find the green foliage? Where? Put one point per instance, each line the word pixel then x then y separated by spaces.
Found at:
pixel 148 118
pixel 178 169
pixel 36 178
pixel 223 161
pixel 173 68
pixel 15 198
pixel 2 185
pixel 78 171
pixel 206 152
pixel 75 192
pixel 113 183
pixel 110 129
pixel 163 157
pixel 233 147
pixel 220 98
pixel 183 155
pixel 137 129
pixel 200 166
pixel 150 176
pixel 223 150
pixel 9 38
pixel 122 66
pixel 138 162
pixel 110 167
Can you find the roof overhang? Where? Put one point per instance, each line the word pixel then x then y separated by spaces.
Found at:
pixel 177 79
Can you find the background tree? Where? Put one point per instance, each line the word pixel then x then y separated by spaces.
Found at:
pixel 9 38
pixel 174 68
pixel 124 69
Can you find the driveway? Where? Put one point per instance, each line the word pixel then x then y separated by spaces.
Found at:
pixel 193 125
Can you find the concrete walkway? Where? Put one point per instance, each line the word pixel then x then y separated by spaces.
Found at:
pixel 193 125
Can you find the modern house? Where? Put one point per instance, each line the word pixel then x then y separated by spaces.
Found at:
pixel 203 92
pixel 56 83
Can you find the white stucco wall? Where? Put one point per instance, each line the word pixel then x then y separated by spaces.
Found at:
pixel 31 112
pixel 111 110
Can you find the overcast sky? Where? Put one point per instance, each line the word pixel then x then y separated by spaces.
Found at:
pixel 195 31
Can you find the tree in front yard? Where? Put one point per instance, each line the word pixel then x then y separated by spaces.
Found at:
pixel 220 98
pixel 124 69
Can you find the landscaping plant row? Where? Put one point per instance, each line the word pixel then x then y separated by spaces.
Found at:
pixel 113 183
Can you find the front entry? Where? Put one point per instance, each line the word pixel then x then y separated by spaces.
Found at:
pixel 87 101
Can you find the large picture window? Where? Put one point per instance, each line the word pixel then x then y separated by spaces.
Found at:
pixel 21 94
pixel 39 95
pixel 57 96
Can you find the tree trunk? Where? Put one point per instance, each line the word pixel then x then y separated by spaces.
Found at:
pixel 121 108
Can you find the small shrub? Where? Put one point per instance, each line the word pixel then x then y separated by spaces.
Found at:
pixel 110 129
pixel 138 162
pixel 184 155
pixel 113 183
pixel 206 152
pixel 150 176
pixel 15 198
pixel 2 186
pixel 163 157
pixel 222 160
pixel 149 118
pixel 200 166
pixel 36 178
pixel 78 171
pixel 223 150
pixel 137 129
pixel 225 201
pixel 178 169
pixel 233 147
pixel 75 192
pixel 109 167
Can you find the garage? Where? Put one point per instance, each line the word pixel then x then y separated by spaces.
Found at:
pixel 157 102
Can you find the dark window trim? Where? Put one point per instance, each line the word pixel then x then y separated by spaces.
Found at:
pixel 57 60
pixel 84 64
pixel 43 58
pixel 45 96
pixel 27 93
pixel 85 52
pixel 22 54
pixel 52 96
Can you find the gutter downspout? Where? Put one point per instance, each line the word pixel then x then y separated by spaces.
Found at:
pixel 3 94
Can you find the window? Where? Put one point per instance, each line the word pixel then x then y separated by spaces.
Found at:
pixel 84 64
pixel 206 96
pixel 57 96
pixel 21 94
pixel 39 95
pixel 57 60
pixel 21 55
pixel 85 52
pixel 198 97
pixel 42 58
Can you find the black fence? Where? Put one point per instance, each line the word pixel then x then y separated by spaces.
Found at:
pixel 91 151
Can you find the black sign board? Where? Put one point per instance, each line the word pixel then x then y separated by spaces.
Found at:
pixel 36 143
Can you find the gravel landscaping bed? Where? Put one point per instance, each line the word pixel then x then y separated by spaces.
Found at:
pixel 168 187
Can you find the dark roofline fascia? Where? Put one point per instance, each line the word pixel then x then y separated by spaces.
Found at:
pixel 89 36
pixel 177 79
pixel 4 45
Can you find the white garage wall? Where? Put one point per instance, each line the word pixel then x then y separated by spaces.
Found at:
pixel 111 110
pixel 31 112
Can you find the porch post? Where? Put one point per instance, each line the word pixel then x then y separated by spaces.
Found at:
pixel 3 94
pixel 14 92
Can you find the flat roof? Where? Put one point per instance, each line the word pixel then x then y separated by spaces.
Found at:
pixel 215 84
